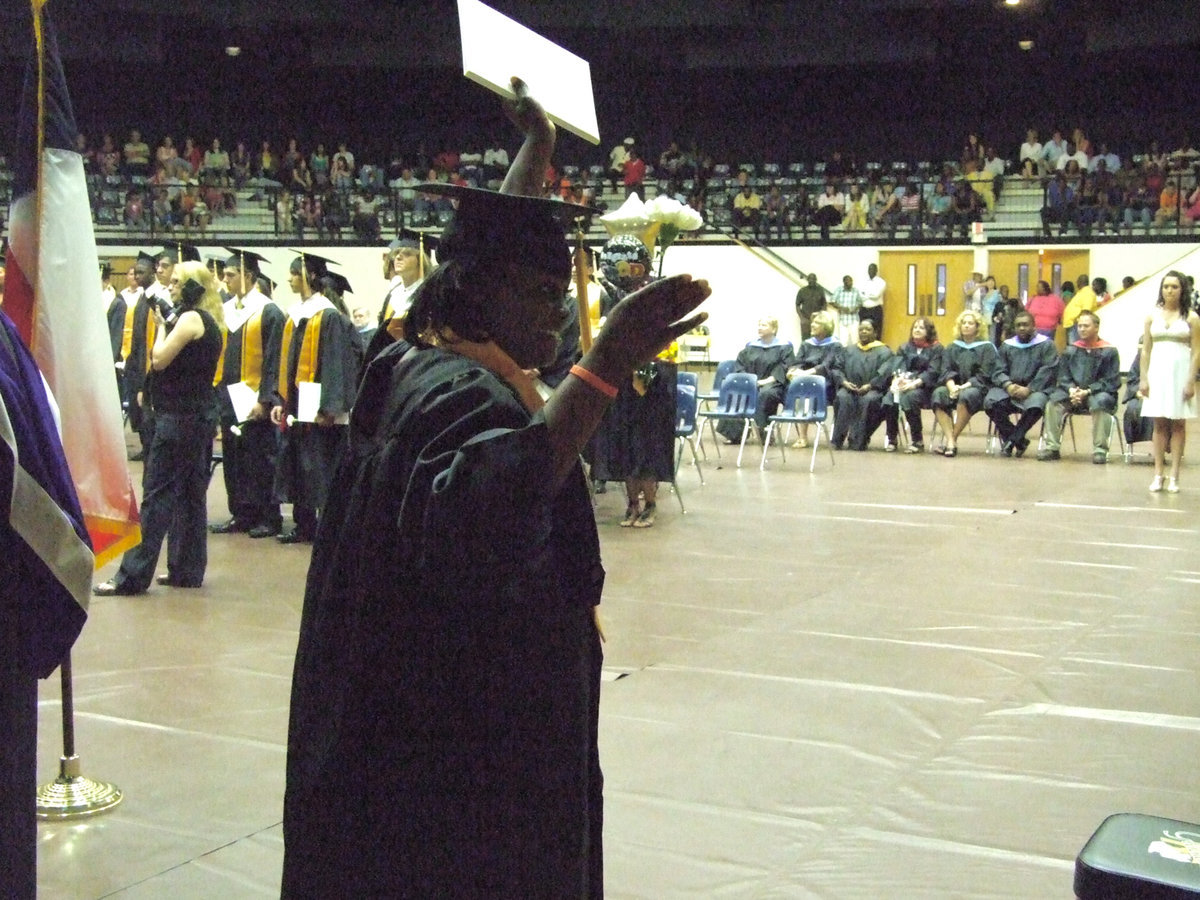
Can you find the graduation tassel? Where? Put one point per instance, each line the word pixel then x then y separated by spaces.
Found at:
pixel 581 289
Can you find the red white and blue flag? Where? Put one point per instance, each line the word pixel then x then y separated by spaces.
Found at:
pixel 51 287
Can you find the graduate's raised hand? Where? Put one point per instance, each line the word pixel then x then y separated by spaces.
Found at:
pixel 646 322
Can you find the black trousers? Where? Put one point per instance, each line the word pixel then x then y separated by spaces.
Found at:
pixel 248 463
pixel 174 487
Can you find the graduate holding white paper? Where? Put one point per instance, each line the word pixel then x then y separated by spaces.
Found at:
pixel 445 699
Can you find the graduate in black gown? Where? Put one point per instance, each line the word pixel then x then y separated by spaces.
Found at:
pixel 968 364
pixel 1025 372
pixel 866 370
pixel 318 346
pixel 767 358
pixel 918 364
pixel 821 355
pixel 249 442
pixel 442 740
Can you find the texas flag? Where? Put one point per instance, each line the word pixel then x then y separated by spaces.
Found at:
pixel 51 290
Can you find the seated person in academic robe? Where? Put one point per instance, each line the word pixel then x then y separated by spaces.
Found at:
pixel 968 364
pixel 1137 427
pixel 1026 371
pixel 866 371
pixel 445 701
pixel 820 355
pixel 1089 378
pixel 767 359
pixel 918 363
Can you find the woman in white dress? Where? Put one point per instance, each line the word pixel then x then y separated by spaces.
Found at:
pixel 1170 359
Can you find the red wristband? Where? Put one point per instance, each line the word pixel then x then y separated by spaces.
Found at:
pixel 595 381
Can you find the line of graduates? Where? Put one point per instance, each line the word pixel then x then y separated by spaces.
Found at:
pixel 271 452
pixel 869 384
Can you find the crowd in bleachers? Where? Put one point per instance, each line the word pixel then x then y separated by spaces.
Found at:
pixel 1062 185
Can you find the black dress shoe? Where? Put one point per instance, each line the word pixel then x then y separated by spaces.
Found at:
pixel 114 589
pixel 233 526
pixel 1008 448
pixel 295 536
pixel 1022 446
pixel 167 581
pixel 263 531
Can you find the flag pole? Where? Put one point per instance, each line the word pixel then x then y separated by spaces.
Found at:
pixel 72 795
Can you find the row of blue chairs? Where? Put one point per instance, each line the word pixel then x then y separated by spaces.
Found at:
pixel 736 400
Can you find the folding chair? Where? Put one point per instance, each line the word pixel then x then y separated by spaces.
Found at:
pixel 737 401
pixel 803 403
pixel 685 434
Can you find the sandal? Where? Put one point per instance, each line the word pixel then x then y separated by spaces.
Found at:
pixel 631 515
pixel 800 444
pixel 950 452
pixel 646 519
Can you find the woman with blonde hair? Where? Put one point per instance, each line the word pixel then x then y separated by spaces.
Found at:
pixel 822 354
pixel 967 366
pixel 183 363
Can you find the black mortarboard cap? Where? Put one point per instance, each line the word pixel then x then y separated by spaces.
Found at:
pixel 248 258
pixel 149 258
pixel 341 282
pixel 411 237
pixel 181 252
pixel 507 227
pixel 317 265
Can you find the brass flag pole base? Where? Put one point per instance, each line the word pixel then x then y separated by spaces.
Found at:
pixel 72 796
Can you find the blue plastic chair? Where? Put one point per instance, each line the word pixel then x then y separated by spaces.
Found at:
pixel 685 434
pixel 725 368
pixel 737 401
pixel 804 403
pixel 688 379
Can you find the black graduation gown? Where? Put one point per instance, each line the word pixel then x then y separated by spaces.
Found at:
pixel 307 453
pixel 636 437
pixel 1034 366
pixel 858 415
pixel 971 366
pixel 1098 369
pixel 824 359
pixel 116 324
pixel 762 362
pixel 442 740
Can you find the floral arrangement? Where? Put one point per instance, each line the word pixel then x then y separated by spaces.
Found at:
pixel 661 220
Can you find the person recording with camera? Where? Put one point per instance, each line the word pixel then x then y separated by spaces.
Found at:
pixel 183 362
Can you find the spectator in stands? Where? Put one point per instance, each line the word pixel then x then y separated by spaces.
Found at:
pixel 406 185
pixel 319 165
pixel 1168 205
pixel 1091 206
pixel 965 207
pixel 918 363
pixel 858 209
pixel 137 155
pixel 910 211
pixel 939 208
pixel 837 168
pixel 885 215
pixel 1112 162
pixel 617 157
pixel 747 205
pixel 831 207
pixel 1046 309
pixel 1026 369
pixel 1088 380
pixel 135 215
pixel 1030 157
pixel 495 163
pixel 671 160
pixel 370 177
pixel 216 162
pixel 1073 155
pixel 344 154
pixel 821 355
pixel 308 212
pixel 341 179
pixel 968 364
pixel 1138 202
pixel 635 174
pixel 166 152
pixel 291 155
pixel 866 370
pixel 972 150
pixel 1082 145
pixel 240 165
pixel 1054 150
pixel 109 157
pixel 194 156
pixel 1191 206
pixel 1060 206
pixel 86 152
pixel 982 184
pixel 366 217
pixel 774 213
pixel 301 181
pixel 266 165
pixel 995 167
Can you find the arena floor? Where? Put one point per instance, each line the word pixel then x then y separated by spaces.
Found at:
pixel 901 676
